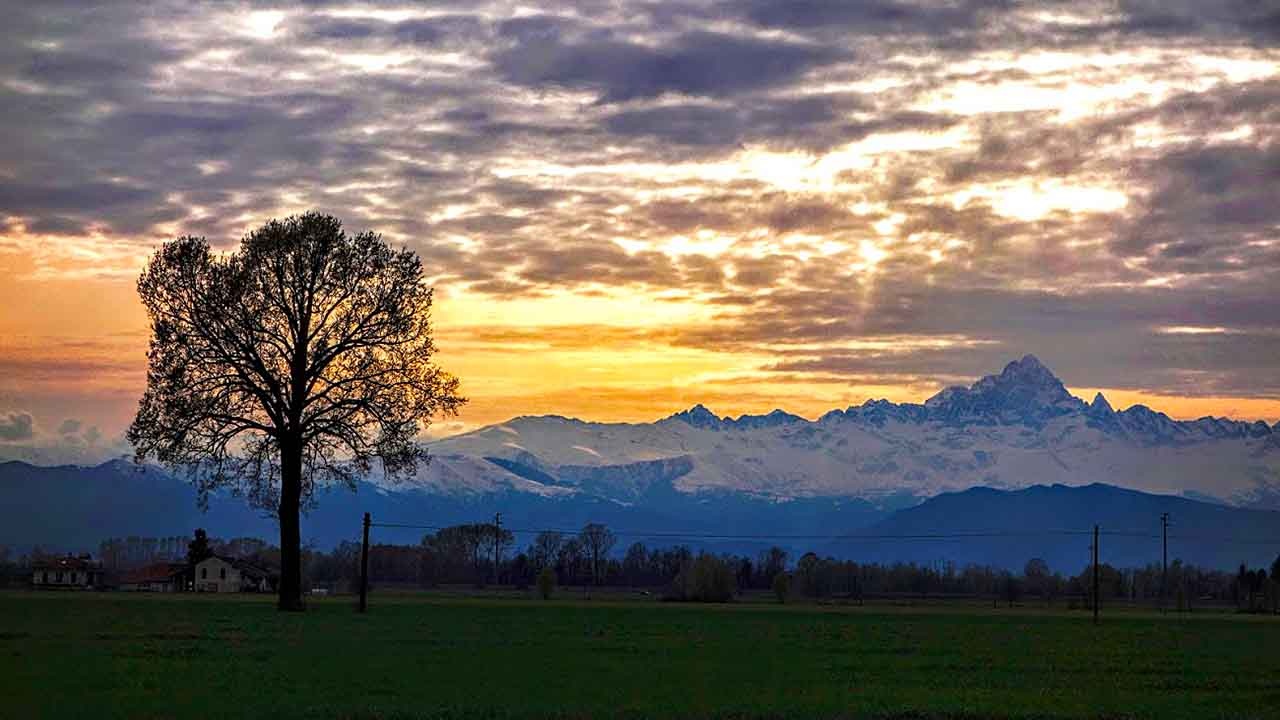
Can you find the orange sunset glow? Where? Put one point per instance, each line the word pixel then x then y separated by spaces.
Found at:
pixel 626 212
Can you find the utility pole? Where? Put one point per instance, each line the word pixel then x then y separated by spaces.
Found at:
pixel 364 565
pixel 1097 596
pixel 497 544
pixel 1164 563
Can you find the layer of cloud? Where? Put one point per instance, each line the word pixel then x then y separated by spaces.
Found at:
pixel 967 181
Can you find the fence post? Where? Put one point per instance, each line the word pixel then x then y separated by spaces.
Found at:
pixel 364 566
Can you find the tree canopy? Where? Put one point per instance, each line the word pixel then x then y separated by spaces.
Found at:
pixel 298 360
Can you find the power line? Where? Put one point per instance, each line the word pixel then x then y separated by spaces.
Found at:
pixel 1232 541
pixel 855 537
pixel 730 536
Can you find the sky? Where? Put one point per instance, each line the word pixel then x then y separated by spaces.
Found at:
pixel 627 208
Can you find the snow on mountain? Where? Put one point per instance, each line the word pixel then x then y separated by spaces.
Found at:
pixel 1012 430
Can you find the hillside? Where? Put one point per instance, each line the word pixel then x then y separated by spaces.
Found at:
pixel 73 508
pixel 1042 521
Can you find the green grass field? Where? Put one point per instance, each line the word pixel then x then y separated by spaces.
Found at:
pixel 119 655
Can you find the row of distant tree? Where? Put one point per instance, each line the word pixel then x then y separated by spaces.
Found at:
pixel 481 554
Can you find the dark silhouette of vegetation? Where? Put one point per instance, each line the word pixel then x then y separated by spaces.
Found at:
pixel 296 361
pixel 597 540
pixel 781 586
pixel 546 582
pixel 1255 591
pixel 198 549
pixel 708 578
pixel 545 550
pixel 457 555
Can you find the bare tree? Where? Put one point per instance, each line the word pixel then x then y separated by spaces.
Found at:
pixel 296 361
pixel 569 560
pixel 545 548
pixel 597 540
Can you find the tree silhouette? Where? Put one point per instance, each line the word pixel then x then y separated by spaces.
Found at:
pixel 598 541
pixel 296 361
pixel 1036 573
pixel 545 548
pixel 198 549
pixel 1275 582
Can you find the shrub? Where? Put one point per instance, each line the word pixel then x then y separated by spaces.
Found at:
pixel 781 586
pixel 546 583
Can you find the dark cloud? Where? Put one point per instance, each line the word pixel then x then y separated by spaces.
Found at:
pixel 697 63
pixel 1250 19
pixel 1208 203
pixel 137 118
pixel 815 123
pixel 90 197
pixel 426 31
pixel 681 124
pixel 870 17
pixel 330 28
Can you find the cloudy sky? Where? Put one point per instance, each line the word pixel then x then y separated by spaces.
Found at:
pixel 630 207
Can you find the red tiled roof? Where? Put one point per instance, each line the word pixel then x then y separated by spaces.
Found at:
pixel 158 572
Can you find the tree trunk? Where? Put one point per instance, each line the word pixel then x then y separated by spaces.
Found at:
pixel 290 530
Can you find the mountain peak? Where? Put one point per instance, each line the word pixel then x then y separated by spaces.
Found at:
pixel 773 418
pixel 1029 368
pixel 1025 391
pixel 698 416
pixel 1100 404
pixel 1030 361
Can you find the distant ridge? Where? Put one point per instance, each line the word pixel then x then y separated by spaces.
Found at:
pixel 119 500
pixel 1038 521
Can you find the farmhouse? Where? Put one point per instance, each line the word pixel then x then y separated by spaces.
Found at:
pixel 220 573
pixel 157 577
pixel 66 573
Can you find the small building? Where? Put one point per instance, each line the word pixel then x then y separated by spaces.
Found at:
pixel 157 577
pixel 66 573
pixel 220 573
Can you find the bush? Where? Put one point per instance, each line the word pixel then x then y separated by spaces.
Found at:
pixel 546 583
pixel 781 586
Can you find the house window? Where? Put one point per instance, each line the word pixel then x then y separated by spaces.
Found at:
pixel 204 573
pixel 223 574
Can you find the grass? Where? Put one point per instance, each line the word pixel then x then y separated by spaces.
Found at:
pixel 120 655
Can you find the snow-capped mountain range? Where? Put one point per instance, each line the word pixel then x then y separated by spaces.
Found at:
pixel 1011 452
pixel 1012 430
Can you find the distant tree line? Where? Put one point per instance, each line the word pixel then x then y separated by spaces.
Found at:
pixel 481 554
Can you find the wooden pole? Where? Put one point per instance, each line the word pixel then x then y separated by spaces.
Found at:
pixel 497 546
pixel 364 566
pixel 1164 561
pixel 1097 596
